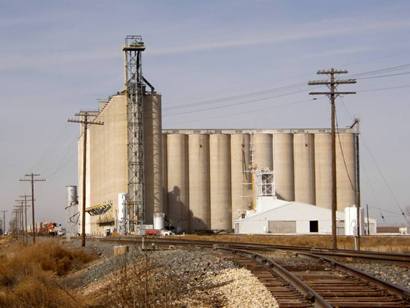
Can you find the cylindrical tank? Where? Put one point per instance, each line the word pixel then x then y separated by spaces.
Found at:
pixel 199 190
pixel 159 220
pixel 323 169
pixel 122 213
pixel 152 155
pixel 283 166
pixel 164 175
pixel 240 175
pixel 263 151
pixel 177 181
pixel 304 164
pixel 72 197
pixel 345 170
pixel 220 174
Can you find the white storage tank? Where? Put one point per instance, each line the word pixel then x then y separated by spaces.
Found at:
pixel 122 213
pixel 159 221
pixel 351 220
pixel 72 197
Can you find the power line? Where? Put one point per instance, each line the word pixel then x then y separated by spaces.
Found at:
pixel 384 76
pixel 232 97
pixel 235 104
pixel 387 88
pixel 386 183
pixel 267 108
pixel 382 70
pixel 343 154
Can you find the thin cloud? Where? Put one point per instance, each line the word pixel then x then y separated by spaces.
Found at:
pixel 310 31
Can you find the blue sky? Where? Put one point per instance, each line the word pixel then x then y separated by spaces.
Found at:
pixel 57 57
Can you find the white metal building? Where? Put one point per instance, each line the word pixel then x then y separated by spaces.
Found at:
pixel 287 218
pixel 272 215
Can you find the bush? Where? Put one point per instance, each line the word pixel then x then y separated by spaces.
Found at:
pixel 28 275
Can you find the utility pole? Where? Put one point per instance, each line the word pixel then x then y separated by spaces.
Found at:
pixel 332 84
pixel 23 210
pixel 84 119
pixel 4 221
pixel 368 221
pixel 19 220
pixel 25 201
pixel 16 227
pixel 32 179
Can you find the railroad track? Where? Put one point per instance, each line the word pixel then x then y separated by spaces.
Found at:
pixel 317 281
pixel 321 282
pixel 369 255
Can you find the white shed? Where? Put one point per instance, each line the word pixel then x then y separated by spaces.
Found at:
pixel 285 217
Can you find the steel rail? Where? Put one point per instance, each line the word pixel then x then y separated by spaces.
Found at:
pixel 307 292
pixel 402 292
pixel 382 256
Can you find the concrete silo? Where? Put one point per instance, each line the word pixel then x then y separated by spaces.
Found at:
pixel 177 181
pixel 323 170
pixel 345 170
pixel 152 156
pixel 240 174
pixel 283 166
pixel 199 186
pixel 220 177
pixel 164 174
pixel 262 151
pixel 304 164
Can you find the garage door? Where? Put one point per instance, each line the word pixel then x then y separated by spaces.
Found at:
pixel 281 226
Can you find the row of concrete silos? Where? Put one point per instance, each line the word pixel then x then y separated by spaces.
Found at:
pixel 207 179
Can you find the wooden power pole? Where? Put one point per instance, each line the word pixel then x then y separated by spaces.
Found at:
pixel 32 180
pixel 332 84
pixel 85 120
pixel 4 221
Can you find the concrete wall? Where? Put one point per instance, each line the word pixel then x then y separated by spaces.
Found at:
pixel 152 156
pixel 241 190
pixel 199 188
pixel 220 178
pixel 304 166
pixel 178 181
pixel 107 165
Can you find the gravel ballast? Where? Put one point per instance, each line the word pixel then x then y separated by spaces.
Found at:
pixel 187 277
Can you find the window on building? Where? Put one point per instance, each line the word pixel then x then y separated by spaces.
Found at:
pixel 313 226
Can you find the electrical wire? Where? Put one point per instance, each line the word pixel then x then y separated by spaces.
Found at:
pixel 233 97
pixel 384 89
pixel 386 183
pixel 343 155
pixel 382 70
pixel 384 76
pixel 234 104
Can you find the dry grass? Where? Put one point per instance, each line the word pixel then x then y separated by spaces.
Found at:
pixel 28 275
pixel 143 282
